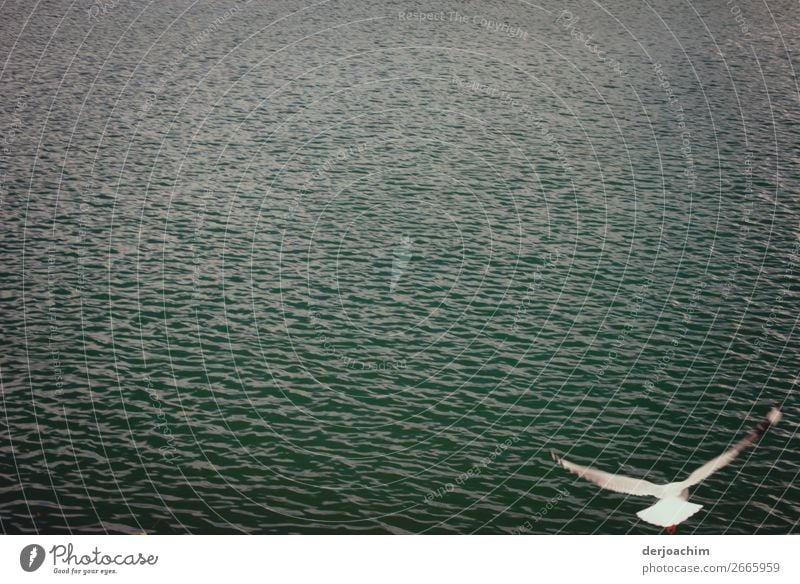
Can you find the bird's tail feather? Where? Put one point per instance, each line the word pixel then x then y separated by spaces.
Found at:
pixel 670 511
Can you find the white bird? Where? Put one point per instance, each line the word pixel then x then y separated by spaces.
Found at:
pixel 673 506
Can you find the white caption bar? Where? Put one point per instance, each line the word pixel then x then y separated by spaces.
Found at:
pixel 400 559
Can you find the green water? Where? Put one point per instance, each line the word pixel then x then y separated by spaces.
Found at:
pixel 338 269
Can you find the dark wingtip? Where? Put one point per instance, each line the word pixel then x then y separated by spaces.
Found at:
pixel 773 417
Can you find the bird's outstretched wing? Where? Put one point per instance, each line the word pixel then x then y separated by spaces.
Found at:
pixel 612 482
pixel 714 465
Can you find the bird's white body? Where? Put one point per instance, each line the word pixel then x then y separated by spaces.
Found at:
pixel 673 505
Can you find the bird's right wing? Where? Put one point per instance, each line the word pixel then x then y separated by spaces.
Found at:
pixel 612 482
pixel 725 458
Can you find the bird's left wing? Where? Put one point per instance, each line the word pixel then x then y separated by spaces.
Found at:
pixel 612 482
pixel 725 458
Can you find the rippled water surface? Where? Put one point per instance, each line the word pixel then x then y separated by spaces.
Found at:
pixel 342 267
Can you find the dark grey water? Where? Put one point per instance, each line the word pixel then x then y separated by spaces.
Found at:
pixel 336 267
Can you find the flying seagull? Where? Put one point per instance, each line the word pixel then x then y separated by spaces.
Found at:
pixel 673 506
